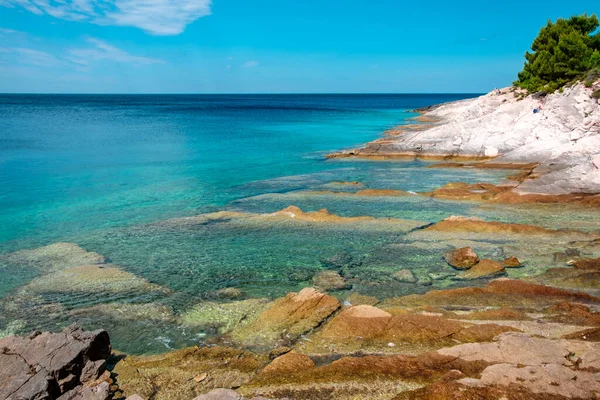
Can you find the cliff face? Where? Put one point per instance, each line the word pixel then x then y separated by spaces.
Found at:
pixel 564 137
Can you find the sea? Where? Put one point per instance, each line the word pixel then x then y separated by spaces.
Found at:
pixel 124 176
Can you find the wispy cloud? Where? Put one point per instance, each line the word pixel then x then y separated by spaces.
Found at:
pixel 80 59
pixel 158 17
pixel 250 64
pixel 29 56
pixel 102 51
pixel 5 31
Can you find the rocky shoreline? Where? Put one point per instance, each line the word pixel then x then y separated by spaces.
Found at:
pixel 558 145
pixel 531 338
pixel 514 313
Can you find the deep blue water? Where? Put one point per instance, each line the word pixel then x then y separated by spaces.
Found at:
pixel 77 163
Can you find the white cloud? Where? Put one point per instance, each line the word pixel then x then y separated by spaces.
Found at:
pixel 101 51
pixel 5 31
pixel 81 58
pixel 158 17
pixel 250 64
pixel 29 56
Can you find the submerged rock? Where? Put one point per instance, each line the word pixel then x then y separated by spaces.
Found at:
pixel 55 365
pixel 330 280
pixel 484 269
pixel 463 258
pixel 405 275
pixel 512 262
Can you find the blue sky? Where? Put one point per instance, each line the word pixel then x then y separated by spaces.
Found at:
pixel 239 46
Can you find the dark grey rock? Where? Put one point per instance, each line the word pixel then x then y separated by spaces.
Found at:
pixel 49 365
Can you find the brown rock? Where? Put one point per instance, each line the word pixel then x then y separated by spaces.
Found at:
pixel 590 335
pixel 464 224
pixel 484 269
pixel 482 333
pixel 170 375
pixel 498 293
pixel 502 314
pixel 452 390
pixel 512 262
pixel 362 327
pixel 587 263
pixel 330 280
pixel 288 363
pixel 287 318
pixel 463 258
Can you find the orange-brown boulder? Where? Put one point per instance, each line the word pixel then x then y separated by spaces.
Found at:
pixel 484 269
pixel 587 263
pixel 463 258
pixel 512 262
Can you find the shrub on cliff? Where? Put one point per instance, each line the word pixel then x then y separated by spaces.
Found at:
pixel 563 51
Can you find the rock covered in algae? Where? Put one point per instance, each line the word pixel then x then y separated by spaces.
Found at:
pixel 287 318
pixel 225 316
pixel 483 269
pixel 330 280
pixel 56 256
pixel 405 275
pixel 463 258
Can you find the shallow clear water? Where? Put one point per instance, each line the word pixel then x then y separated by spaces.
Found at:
pixel 110 174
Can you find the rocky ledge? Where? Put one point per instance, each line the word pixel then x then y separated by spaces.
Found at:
pixel 70 365
pixel 560 142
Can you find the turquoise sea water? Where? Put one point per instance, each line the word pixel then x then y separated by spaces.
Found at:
pixel 112 174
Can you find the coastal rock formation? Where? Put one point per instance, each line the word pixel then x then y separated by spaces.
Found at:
pixel 287 318
pixel 483 269
pixel 463 258
pixel 563 138
pixel 172 375
pixel 498 293
pixel 68 365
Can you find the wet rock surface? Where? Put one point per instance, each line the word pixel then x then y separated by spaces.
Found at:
pixel 463 258
pixel 67 365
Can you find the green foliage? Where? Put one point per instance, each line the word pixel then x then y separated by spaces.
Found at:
pixel 596 94
pixel 562 52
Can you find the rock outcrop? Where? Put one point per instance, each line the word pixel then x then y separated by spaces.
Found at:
pixel 70 365
pixel 502 129
pixel 287 318
pixel 463 258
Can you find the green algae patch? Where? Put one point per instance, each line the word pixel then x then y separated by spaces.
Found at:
pixel 224 317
